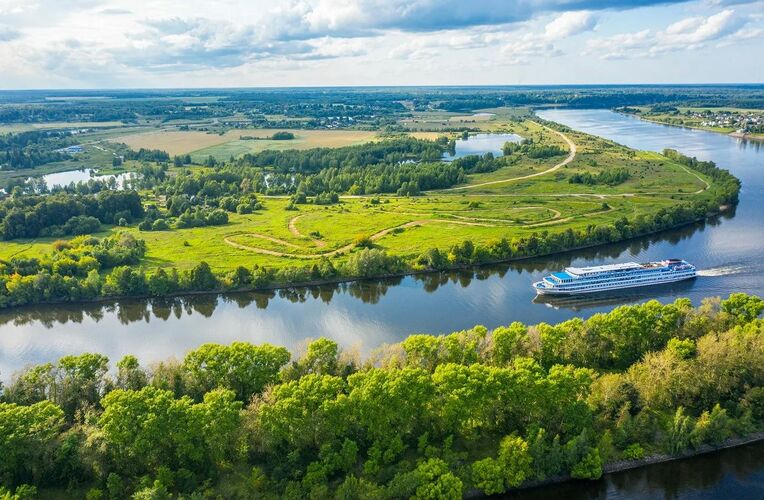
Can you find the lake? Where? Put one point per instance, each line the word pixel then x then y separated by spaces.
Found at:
pixel 365 315
pixel 83 175
pixel 480 144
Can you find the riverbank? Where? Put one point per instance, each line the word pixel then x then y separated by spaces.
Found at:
pixel 736 135
pixel 627 465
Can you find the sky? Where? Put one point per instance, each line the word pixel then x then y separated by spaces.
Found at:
pixel 238 43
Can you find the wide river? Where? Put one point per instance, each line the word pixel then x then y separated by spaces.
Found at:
pixel 365 315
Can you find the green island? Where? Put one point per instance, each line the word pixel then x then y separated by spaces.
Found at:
pixel 386 206
pixel 473 412
pixel 737 122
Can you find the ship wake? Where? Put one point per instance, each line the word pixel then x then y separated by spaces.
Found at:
pixel 721 271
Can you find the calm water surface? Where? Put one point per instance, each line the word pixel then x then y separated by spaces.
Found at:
pixel 77 176
pixel 480 144
pixel 364 315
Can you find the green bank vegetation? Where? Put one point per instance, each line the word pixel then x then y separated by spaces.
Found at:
pixel 431 417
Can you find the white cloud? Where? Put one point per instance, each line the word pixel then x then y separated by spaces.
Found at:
pixel 569 24
pixel 696 32
pixel 140 43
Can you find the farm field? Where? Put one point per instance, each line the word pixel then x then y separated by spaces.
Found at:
pixel 222 146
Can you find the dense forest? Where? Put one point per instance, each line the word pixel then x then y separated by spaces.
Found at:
pixel 475 411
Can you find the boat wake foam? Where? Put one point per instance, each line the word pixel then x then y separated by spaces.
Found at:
pixel 721 271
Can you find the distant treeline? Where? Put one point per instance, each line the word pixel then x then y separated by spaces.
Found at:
pixel 433 417
pixel 61 214
pixel 30 149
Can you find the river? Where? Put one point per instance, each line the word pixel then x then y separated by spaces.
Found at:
pixel 365 315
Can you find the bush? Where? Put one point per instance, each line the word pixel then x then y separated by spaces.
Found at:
pixel 81 224
pixel 363 241
pixel 634 452
pixel 160 225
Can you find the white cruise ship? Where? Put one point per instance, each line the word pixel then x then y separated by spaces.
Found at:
pixel 577 280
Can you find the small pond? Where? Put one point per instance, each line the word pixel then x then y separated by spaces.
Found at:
pixel 83 175
pixel 480 144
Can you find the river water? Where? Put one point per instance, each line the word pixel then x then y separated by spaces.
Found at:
pixel 365 315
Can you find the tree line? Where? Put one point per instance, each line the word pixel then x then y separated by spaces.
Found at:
pixel 24 150
pixel 62 214
pixel 432 417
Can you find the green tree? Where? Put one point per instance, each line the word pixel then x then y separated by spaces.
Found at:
pixel 488 476
pixel 515 460
pixel 590 466
pixel 130 375
pixel 435 481
pixel 744 308
pixel 26 433
pixel 242 367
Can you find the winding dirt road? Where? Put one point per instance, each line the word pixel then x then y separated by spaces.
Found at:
pixel 571 156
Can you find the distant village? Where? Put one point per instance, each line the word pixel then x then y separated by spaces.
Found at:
pixel 742 122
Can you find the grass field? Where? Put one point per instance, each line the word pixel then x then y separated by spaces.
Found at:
pixel 513 208
pixel 487 120
pixel 222 146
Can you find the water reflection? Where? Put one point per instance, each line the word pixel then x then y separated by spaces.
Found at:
pixel 480 144
pixel 83 175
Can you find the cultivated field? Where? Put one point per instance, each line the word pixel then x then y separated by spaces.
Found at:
pixel 222 146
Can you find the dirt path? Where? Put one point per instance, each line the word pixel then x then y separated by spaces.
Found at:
pixel 555 215
pixel 571 156
pixel 293 229
pixel 701 179
pixel 349 246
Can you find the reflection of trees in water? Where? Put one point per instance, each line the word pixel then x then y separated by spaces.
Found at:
pixel 370 291
pixel 132 311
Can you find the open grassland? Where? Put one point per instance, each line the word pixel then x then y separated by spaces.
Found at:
pixel 486 120
pixel 514 208
pixel 222 146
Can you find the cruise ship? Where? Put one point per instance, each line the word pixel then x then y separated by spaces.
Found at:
pixel 577 280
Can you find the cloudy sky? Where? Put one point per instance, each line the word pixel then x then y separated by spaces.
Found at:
pixel 241 43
